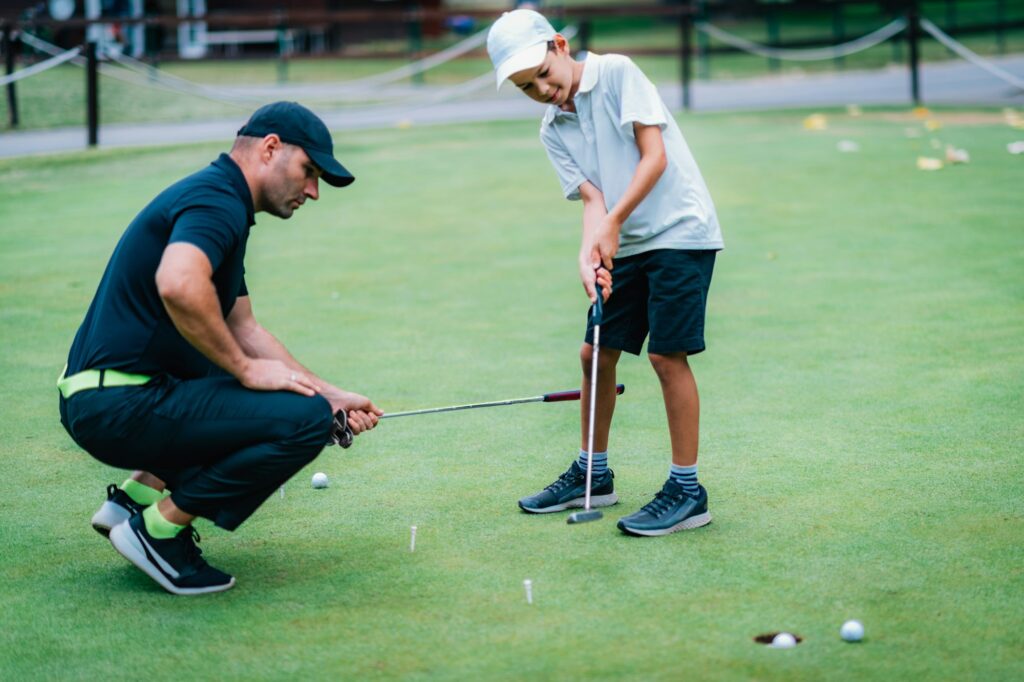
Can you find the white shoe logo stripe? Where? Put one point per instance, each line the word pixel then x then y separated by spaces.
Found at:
pixel 155 557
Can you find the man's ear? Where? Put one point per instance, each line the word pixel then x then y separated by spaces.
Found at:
pixel 269 146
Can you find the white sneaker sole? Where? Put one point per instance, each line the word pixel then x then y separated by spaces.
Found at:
pixel 124 540
pixel 108 516
pixel 595 501
pixel 686 524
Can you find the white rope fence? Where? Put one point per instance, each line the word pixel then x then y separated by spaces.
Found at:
pixel 139 73
pixel 471 43
pixel 970 56
pixel 45 65
pixel 813 54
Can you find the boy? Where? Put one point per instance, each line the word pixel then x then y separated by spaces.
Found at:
pixel 647 217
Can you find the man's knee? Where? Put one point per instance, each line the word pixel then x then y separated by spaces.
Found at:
pixel 309 421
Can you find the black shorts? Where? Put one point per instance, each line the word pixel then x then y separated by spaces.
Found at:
pixel 664 292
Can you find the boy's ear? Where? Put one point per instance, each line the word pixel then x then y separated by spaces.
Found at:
pixel 561 44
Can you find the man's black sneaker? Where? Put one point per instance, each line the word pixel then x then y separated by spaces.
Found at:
pixel 670 510
pixel 118 507
pixel 177 564
pixel 568 492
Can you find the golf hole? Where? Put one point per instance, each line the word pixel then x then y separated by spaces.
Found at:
pixel 768 637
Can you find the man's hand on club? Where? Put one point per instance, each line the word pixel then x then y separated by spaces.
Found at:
pixel 363 415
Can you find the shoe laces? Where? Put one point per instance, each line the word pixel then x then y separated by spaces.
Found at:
pixel 662 502
pixel 565 480
pixel 190 540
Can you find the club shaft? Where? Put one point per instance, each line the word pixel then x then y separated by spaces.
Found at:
pixel 472 406
pixel 593 411
pixel 546 398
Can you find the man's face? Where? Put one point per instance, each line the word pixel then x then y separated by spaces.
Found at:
pixel 292 178
pixel 552 81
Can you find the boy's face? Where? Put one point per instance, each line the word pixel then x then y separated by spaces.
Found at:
pixel 554 81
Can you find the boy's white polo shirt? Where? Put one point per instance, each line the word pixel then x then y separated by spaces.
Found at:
pixel 597 143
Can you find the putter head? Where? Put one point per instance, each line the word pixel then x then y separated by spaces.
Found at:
pixel 584 516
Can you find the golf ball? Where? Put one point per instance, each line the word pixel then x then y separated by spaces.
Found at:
pixel 320 480
pixel 852 631
pixel 784 640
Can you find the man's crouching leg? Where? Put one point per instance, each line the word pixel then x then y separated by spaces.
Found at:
pixel 161 541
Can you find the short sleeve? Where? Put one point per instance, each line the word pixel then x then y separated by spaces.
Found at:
pixel 569 174
pixel 243 289
pixel 639 101
pixel 211 227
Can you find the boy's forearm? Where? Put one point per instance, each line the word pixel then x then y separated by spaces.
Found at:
pixel 647 174
pixel 593 213
pixel 653 162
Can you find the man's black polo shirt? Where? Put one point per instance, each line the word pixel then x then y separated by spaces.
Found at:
pixel 127 327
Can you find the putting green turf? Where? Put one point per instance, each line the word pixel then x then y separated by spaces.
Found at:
pixel 861 422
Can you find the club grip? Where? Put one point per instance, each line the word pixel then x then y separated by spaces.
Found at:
pixel 562 396
pixel 597 309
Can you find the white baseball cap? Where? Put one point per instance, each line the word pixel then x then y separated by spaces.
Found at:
pixel 518 40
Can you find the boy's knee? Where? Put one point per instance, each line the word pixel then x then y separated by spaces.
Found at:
pixel 667 364
pixel 606 359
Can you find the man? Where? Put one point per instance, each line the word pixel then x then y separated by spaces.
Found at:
pixel 171 375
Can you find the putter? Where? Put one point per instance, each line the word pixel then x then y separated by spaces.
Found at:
pixel 589 514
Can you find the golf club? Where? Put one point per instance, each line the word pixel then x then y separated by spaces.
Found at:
pixel 342 435
pixel 589 514
pixel 556 397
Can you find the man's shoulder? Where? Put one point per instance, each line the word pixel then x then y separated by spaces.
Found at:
pixel 209 187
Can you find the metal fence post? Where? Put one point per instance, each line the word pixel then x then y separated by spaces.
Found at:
pixel 771 18
pixel 838 30
pixel 584 34
pixel 913 35
pixel 92 94
pixel 12 97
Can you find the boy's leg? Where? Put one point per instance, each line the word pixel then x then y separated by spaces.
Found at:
pixel 569 489
pixel 607 360
pixel 682 405
pixel 679 282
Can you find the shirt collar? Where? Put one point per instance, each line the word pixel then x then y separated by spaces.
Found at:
pixel 588 79
pixel 234 173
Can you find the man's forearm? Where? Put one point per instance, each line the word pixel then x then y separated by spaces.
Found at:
pixel 257 342
pixel 195 312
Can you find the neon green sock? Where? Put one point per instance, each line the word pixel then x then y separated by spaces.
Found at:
pixel 141 493
pixel 157 526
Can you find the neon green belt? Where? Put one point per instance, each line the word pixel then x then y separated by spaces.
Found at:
pixel 97 378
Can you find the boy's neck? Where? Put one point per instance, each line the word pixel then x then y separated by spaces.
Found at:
pixel 577 75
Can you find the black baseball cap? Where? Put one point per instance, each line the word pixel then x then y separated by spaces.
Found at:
pixel 297 125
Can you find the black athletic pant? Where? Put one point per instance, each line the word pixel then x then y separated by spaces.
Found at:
pixel 222 449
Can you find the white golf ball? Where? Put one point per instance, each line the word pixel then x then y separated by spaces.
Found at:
pixel 320 480
pixel 852 631
pixel 784 640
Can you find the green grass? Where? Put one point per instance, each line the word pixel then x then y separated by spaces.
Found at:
pixel 861 422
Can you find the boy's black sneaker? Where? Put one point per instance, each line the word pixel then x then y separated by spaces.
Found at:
pixel 177 564
pixel 568 491
pixel 670 510
pixel 118 507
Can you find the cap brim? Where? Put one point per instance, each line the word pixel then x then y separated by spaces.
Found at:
pixel 334 173
pixel 528 58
